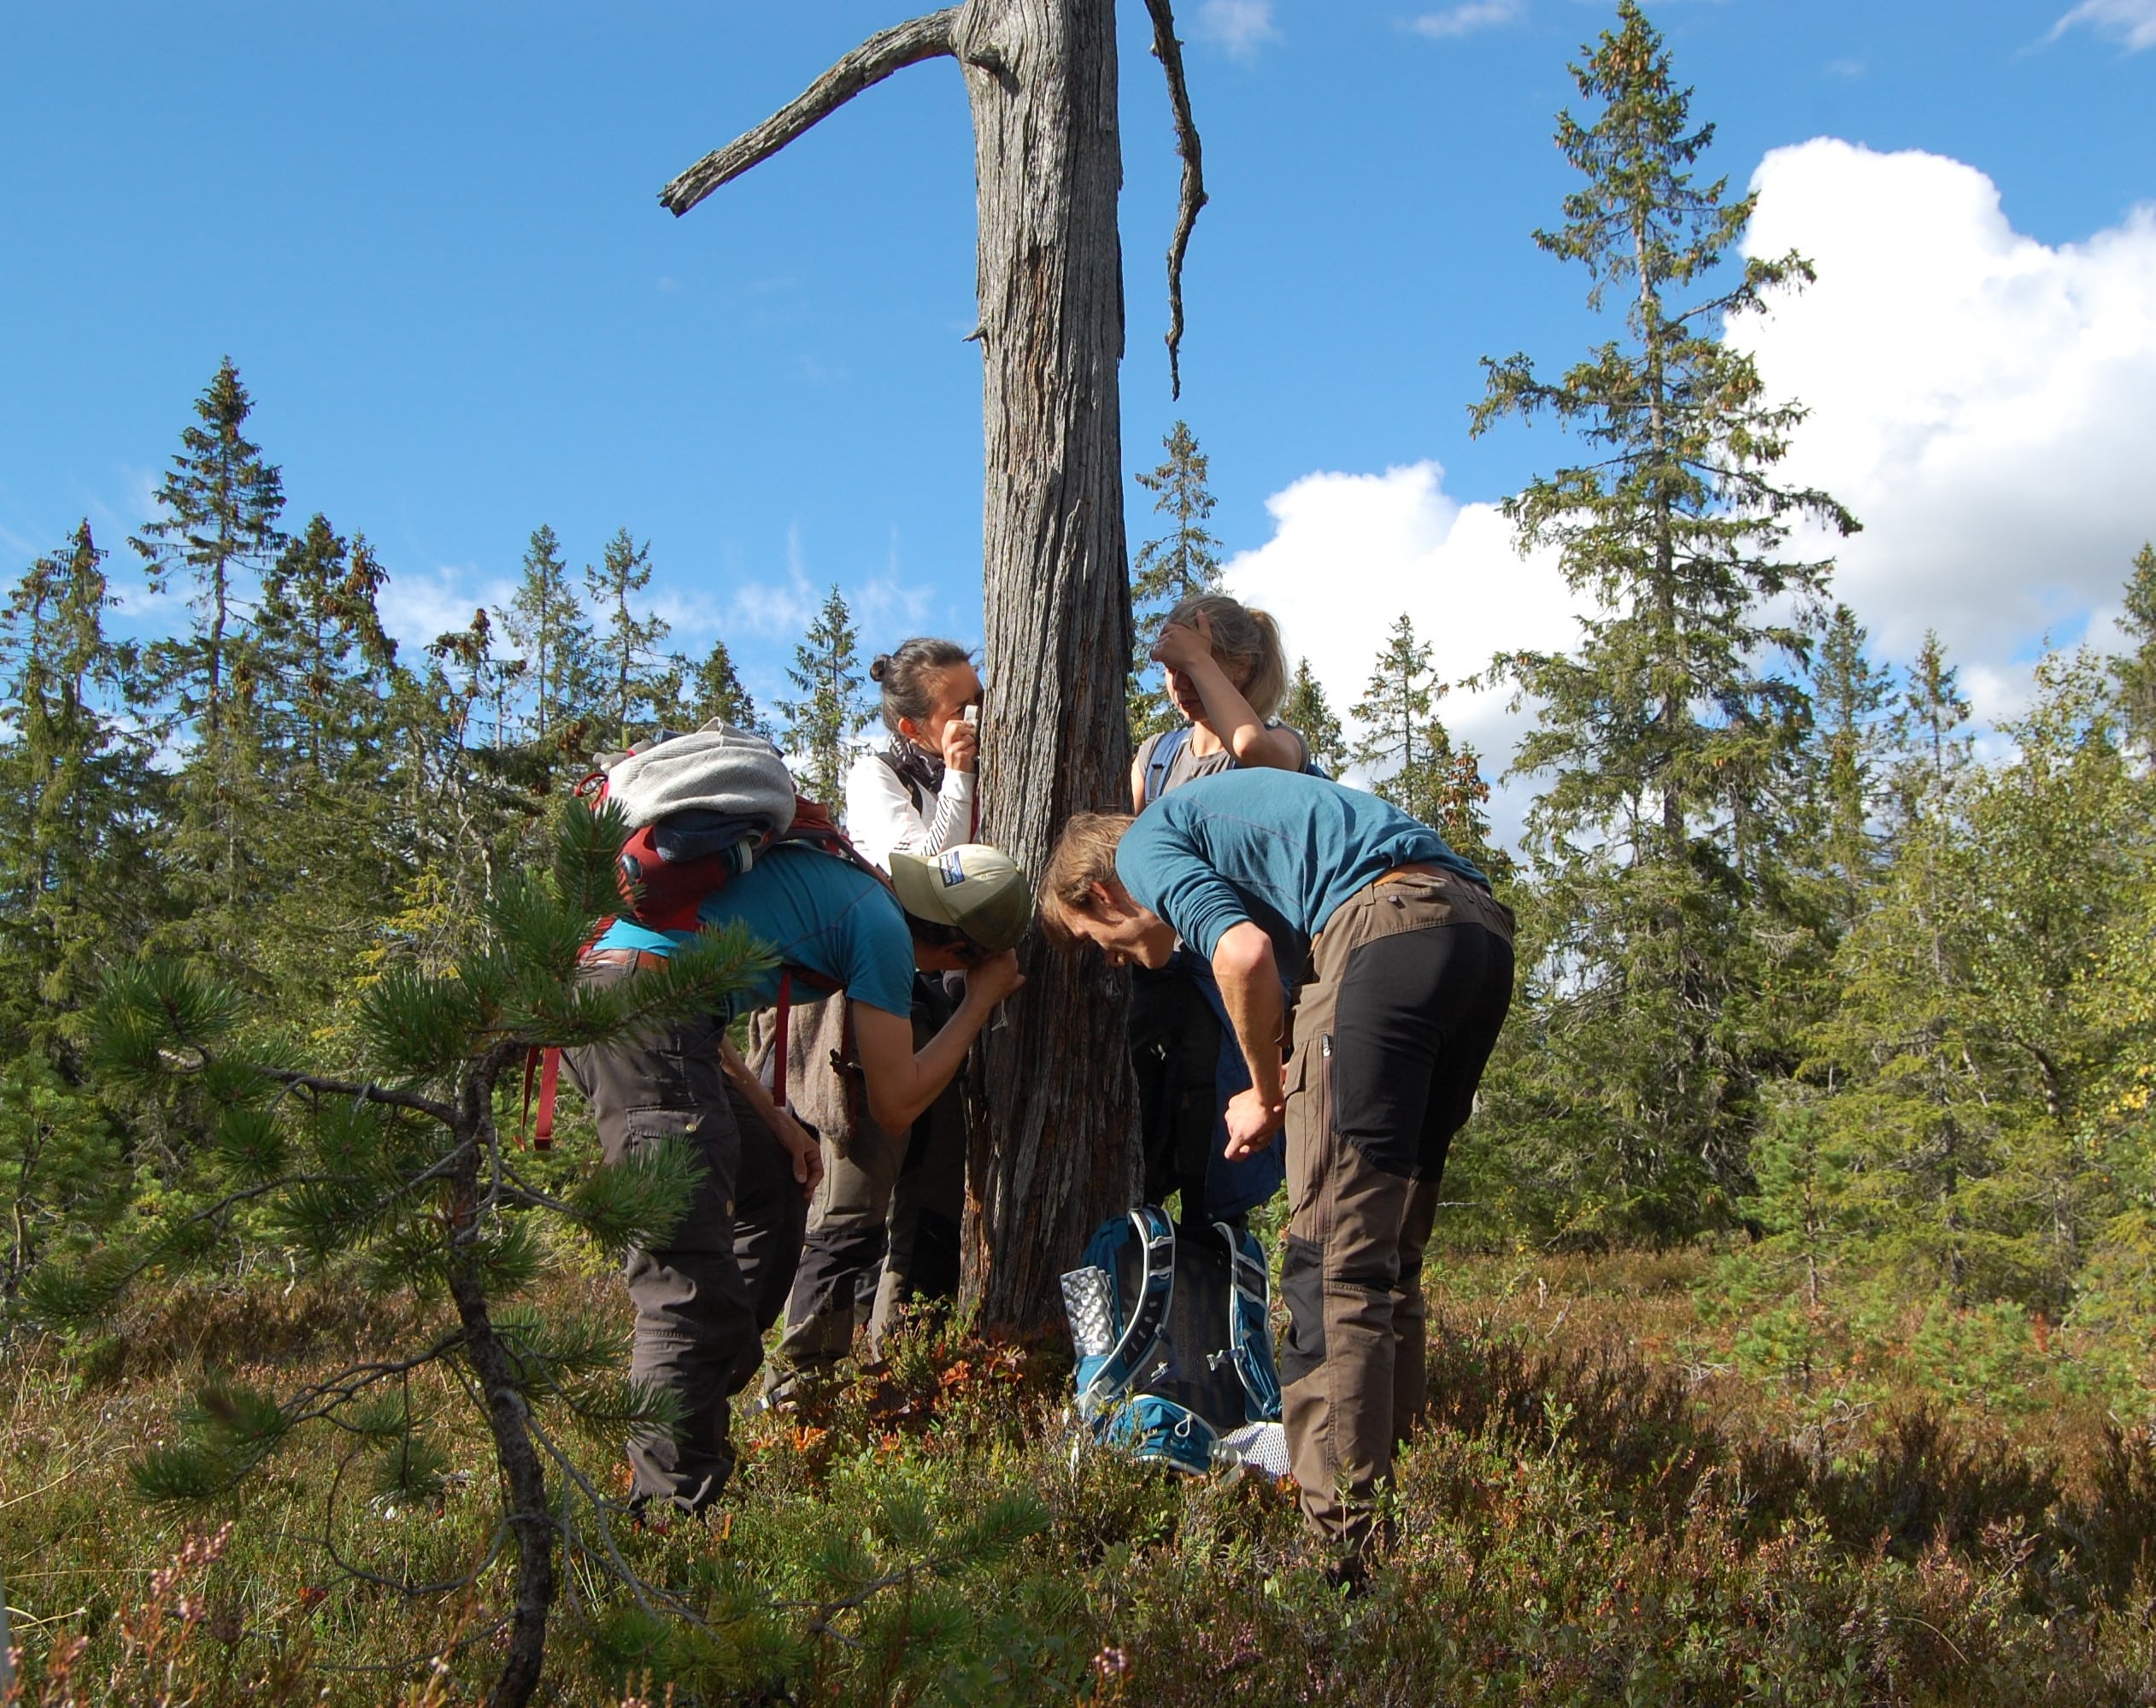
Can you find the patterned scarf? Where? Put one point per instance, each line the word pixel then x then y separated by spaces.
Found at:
pixel 922 772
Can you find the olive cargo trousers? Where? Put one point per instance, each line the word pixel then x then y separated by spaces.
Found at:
pixel 704 1299
pixel 1411 978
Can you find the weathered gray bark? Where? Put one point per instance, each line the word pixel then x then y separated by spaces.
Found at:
pixel 1056 1151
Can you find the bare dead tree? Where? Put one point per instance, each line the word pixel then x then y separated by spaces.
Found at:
pixel 1056 1152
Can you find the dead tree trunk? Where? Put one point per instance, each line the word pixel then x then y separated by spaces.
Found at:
pixel 1056 1152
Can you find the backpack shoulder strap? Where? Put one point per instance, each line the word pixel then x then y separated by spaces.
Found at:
pixel 1165 746
pixel 1149 1311
pixel 1250 1324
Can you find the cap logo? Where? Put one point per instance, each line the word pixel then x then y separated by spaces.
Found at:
pixel 952 868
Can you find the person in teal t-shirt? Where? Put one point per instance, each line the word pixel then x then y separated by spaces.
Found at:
pixel 1400 963
pixel 704 1301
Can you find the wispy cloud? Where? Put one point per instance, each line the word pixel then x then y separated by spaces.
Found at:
pixel 1845 67
pixel 2131 21
pixel 1465 19
pixel 1240 26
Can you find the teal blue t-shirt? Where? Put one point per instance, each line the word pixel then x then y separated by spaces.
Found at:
pixel 813 912
pixel 1279 848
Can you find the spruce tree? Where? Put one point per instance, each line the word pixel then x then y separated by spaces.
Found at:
pixel 80 799
pixel 1412 757
pixel 1184 562
pixel 628 649
pixel 714 690
pixel 827 670
pixel 2134 672
pixel 1850 695
pixel 324 649
pixel 547 630
pixel 393 1175
pixel 1961 1054
pixel 216 531
pixel 1669 738
pixel 1310 714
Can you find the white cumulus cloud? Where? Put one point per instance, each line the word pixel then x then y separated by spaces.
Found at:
pixel 1240 26
pixel 2131 21
pixel 1352 553
pixel 1986 403
pixel 1464 19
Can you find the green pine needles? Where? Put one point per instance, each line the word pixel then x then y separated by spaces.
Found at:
pixel 395 1174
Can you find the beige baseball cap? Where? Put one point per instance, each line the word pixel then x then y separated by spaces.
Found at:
pixel 978 889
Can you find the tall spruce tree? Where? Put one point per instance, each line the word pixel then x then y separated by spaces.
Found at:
pixel 1184 562
pixel 628 647
pixel 549 631
pixel 827 670
pixel 215 532
pixel 1668 737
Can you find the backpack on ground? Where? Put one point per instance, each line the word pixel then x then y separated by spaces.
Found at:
pixel 1174 1344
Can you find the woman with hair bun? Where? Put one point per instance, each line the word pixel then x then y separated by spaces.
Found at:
pixel 884 1223
pixel 916 794
pixel 1227 673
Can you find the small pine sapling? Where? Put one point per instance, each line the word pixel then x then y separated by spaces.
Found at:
pixel 396 1175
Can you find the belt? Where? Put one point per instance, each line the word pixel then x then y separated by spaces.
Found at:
pixel 1414 868
pixel 637 959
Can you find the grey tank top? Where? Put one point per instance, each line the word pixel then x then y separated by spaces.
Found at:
pixel 1186 767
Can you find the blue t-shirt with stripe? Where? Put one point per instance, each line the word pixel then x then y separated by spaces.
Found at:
pixel 812 911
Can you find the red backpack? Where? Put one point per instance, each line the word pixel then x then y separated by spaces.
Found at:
pixel 663 891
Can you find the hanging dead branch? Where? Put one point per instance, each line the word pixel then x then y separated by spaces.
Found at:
pixel 1169 52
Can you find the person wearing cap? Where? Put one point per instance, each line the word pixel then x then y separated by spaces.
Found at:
pixel 832 927
pixel 884 1225
pixel 1401 961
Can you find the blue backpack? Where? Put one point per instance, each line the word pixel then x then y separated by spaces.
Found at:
pixel 1171 744
pixel 1174 1344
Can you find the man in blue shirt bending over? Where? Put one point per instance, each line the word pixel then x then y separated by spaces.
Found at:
pixel 1399 963
pixel 704 1301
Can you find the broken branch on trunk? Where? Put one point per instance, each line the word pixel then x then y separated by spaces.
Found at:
pixel 868 64
pixel 1192 196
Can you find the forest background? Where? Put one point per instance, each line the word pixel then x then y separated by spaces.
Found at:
pixel 1835 888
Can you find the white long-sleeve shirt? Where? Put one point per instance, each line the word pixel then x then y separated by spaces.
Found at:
pixel 881 814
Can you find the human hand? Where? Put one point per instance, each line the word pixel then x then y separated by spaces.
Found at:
pixel 961 744
pixel 800 1148
pixel 1252 1122
pixel 994 979
pixel 1183 646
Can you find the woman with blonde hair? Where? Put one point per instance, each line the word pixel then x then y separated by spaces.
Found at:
pixel 1227 673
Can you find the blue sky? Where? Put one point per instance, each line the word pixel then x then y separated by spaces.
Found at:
pixel 428 235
